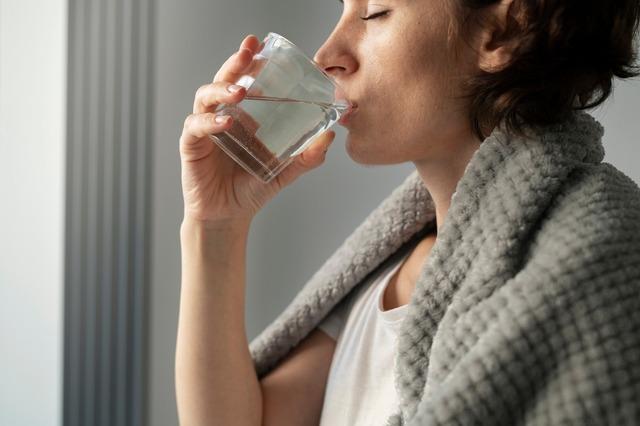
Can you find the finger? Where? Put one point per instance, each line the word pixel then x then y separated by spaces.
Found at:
pixel 197 126
pixel 316 153
pixel 232 69
pixel 251 42
pixel 209 96
pixel 308 160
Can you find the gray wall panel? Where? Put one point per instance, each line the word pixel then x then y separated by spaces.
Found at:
pixel 109 76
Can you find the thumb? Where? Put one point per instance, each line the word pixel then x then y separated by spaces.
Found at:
pixel 306 161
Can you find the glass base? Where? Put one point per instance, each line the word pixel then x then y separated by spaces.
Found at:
pixel 241 155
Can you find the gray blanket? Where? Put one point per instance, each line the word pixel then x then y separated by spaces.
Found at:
pixel 527 310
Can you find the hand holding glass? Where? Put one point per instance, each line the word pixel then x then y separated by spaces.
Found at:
pixel 289 101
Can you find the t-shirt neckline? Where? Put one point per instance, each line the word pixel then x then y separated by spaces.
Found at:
pixel 396 314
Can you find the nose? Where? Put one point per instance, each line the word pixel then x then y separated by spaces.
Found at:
pixel 316 58
pixel 335 59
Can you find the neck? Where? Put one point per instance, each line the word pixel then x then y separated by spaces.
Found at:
pixel 440 176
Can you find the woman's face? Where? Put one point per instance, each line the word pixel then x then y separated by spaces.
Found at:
pixel 402 74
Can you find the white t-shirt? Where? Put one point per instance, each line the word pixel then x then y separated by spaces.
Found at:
pixel 360 388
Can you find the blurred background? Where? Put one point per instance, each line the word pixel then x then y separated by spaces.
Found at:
pixel 93 96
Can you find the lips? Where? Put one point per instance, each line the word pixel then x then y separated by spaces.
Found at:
pixel 344 119
pixel 340 96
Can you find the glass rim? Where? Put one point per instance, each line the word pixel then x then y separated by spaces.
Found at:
pixel 304 55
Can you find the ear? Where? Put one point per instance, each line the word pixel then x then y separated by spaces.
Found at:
pixel 497 38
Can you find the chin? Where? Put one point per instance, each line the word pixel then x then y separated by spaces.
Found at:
pixel 355 150
pixel 362 153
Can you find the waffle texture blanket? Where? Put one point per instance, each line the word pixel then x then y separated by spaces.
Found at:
pixel 527 310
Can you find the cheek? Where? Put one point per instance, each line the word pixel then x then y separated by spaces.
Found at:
pixel 409 94
pixel 427 79
pixel 418 97
pixel 407 97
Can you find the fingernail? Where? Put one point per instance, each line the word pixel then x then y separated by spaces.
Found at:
pixel 234 88
pixel 221 118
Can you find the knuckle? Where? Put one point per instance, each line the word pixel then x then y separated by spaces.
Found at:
pixel 188 121
pixel 202 121
pixel 184 137
pixel 221 87
pixel 201 90
pixel 208 118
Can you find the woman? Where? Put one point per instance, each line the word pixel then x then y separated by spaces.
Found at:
pixel 499 284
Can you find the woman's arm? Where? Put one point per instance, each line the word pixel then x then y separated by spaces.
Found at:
pixel 215 378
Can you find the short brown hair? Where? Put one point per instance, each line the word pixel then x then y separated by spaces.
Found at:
pixel 567 53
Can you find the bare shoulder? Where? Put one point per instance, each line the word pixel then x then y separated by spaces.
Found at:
pixel 293 392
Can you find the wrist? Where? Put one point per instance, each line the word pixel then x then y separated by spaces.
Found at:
pixel 235 225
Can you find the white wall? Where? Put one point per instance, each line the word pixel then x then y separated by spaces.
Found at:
pixel 33 52
pixel 619 116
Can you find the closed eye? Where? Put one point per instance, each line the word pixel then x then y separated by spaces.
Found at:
pixel 375 15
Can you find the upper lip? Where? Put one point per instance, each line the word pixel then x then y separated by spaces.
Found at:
pixel 351 109
pixel 340 96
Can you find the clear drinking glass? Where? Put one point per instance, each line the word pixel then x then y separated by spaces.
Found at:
pixel 290 100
